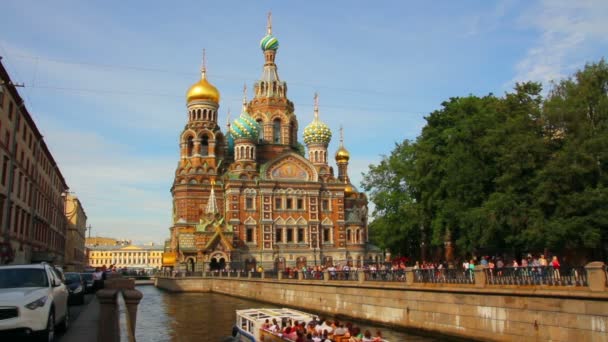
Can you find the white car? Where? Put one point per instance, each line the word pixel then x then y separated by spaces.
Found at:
pixel 33 300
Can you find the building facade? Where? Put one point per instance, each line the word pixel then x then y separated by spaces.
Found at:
pixel 253 195
pixel 147 257
pixel 32 217
pixel 76 232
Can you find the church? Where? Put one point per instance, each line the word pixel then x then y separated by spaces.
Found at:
pixel 253 195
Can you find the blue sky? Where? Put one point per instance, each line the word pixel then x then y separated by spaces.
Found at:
pixel 106 81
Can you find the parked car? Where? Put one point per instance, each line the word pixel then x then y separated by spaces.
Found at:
pixel 76 287
pixel 33 301
pixel 88 280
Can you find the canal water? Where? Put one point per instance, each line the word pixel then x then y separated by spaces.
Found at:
pixel 207 317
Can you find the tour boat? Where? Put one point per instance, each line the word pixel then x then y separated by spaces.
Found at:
pixel 248 327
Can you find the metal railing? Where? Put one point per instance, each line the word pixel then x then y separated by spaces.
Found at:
pixel 530 276
pixel 385 275
pixel 343 275
pixel 537 275
pixel 444 276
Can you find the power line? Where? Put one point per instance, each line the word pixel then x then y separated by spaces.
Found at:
pixel 121 92
pixel 184 73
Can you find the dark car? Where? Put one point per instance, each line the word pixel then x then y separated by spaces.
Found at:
pixel 88 280
pixel 76 287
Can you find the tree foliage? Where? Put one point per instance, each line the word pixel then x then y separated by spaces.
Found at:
pixel 520 172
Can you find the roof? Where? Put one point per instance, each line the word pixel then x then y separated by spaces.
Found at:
pixel 128 248
pixel 261 315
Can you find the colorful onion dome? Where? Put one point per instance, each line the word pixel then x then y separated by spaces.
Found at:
pixel 269 42
pixel 317 132
pixel 245 127
pixel 203 90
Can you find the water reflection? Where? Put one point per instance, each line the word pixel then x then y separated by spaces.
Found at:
pixel 184 317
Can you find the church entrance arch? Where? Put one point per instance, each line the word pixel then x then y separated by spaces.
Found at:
pixel 217 261
pixel 190 264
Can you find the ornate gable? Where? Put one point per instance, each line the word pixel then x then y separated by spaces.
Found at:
pixel 290 167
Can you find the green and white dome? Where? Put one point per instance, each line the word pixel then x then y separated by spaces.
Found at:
pixel 269 42
pixel 245 127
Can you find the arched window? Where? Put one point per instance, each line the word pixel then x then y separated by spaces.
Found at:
pixel 198 114
pixel 348 235
pixel 276 131
pixel 260 128
pixel 204 145
pixel 190 146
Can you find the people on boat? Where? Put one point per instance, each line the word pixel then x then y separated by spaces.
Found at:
pixel 367 336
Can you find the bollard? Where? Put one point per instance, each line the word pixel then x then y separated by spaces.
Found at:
pixel 107 329
pixel 249 274
pixel 596 276
pixel 361 276
pixel 326 275
pixel 409 275
pixel 132 299
pixel 300 275
pixel 279 275
pixel 262 275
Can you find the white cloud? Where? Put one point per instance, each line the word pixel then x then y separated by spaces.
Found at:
pixel 568 31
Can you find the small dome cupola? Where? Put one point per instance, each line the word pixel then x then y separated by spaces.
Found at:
pixel 317 132
pixel 245 127
pixel 269 42
pixel 203 90
pixel 342 155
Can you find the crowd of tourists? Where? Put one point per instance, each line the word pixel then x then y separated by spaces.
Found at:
pixel 320 330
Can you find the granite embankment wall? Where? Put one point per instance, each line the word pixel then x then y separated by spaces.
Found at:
pixel 499 313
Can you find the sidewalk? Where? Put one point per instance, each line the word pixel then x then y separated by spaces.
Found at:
pixel 85 327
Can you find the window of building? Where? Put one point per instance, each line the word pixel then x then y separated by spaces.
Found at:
pixel 249 202
pixel 300 234
pixel 204 145
pixel 300 203
pixel 276 131
pixel 1 99
pixel 289 203
pixel 10 110
pixel 277 201
pixel 326 235
pixel 260 128
pixel 190 148
pixel 289 234
pixel 4 169
pixel 325 204
pixel 249 234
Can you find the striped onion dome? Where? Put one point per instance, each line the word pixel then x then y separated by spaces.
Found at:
pixel 245 127
pixel 269 42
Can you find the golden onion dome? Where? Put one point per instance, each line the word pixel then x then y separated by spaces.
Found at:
pixel 349 189
pixel 203 90
pixel 342 155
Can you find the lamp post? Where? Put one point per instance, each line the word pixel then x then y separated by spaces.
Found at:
pixel 314 248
